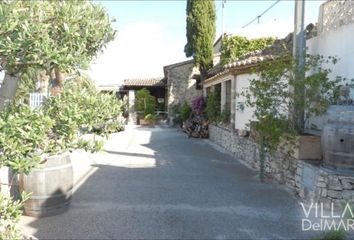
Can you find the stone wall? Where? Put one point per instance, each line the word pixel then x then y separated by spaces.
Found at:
pixel 181 85
pixel 328 186
pixel 334 14
pixel 311 183
pixel 280 167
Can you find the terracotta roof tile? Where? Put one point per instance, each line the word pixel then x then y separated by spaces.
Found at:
pixel 145 82
pixel 249 61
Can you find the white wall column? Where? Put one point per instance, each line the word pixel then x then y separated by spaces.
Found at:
pixel 223 95
pixel 233 101
pixel 131 106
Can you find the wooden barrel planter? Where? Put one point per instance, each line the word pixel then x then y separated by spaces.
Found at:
pixel 338 138
pixel 51 186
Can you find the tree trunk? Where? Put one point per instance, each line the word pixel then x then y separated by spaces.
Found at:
pixel 8 90
pixel 203 74
pixel 43 80
pixel 58 82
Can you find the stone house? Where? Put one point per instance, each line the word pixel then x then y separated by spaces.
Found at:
pixel 183 84
pixel 183 81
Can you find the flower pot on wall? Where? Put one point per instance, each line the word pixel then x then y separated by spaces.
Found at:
pixel 309 148
pixel 51 186
pixel 305 147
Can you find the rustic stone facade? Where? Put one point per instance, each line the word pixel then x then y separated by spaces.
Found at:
pixel 334 14
pixel 279 166
pixel 311 182
pixel 329 187
pixel 181 84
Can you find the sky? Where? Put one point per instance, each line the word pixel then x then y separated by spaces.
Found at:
pixel 151 34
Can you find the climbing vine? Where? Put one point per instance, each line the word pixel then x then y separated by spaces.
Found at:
pixel 235 46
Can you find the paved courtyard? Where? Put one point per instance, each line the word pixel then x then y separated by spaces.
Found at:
pixel 155 183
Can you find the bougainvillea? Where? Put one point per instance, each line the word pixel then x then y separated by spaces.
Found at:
pixel 198 104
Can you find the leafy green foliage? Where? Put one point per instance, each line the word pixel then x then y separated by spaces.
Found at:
pixel 23 137
pixel 81 109
pixel 225 116
pixel 26 86
pixel 234 47
pixel 185 111
pixel 200 33
pixel 334 235
pixel 274 104
pixel 145 103
pixel 150 118
pixel 10 213
pixel 62 35
pixel 25 133
pixel 80 82
pixel 213 107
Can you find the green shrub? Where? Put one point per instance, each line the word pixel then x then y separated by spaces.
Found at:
pixel 145 103
pixel 81 109
pixel 333 235
pixel 24 136
pixel 26 86
pixel 10 213
pixel 81 82
pixel 213 107
pixel 185 111
pixel 150 118
pixel 225 116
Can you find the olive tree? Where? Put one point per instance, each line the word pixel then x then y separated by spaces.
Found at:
pixel 58 36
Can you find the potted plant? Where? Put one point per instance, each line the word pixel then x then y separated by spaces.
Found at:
pixel 185 113
pixel 68 112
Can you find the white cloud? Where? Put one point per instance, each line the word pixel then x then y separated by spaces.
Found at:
pixel 139 50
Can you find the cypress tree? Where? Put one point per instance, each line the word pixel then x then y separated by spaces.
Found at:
pixel 201 18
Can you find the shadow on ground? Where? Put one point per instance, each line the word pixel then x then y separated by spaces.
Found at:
pixel 174 188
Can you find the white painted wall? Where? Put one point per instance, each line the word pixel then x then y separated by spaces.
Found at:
pixel 242 118
pixel 337 42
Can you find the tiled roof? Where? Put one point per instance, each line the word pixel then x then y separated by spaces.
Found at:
pixel 249 61
pixel 278 48
pixel 145 82
pixel 240 64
